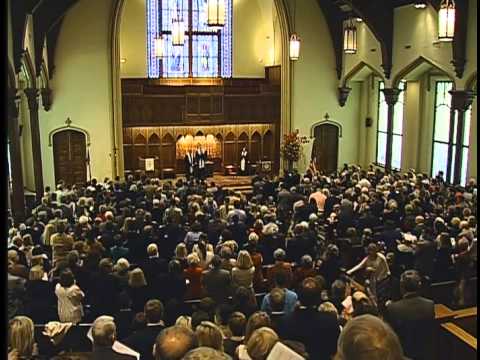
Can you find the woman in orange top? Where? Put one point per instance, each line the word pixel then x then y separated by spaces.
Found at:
pixel 193 276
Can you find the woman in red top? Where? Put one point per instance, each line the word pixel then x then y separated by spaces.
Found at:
pixel 257 259
pixel 193 276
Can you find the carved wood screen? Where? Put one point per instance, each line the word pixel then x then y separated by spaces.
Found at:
pixel 162 142
pixel 235 112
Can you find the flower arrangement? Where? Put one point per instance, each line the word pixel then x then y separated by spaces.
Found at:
pixel 292 146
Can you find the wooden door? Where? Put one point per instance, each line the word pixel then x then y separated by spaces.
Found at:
pixel 325 147
pixel 69 152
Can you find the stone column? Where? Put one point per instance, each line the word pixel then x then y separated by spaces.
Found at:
pixel 18 192
pixel 461 101
pixel 33 100
pixel 391 98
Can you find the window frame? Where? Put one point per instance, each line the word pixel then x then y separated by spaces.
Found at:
pixel 224 43
pixel 451 144
pixel 404 89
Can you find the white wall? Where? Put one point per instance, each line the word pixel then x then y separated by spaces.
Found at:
pixel 369 50
pixel 82 85
pixel 315 85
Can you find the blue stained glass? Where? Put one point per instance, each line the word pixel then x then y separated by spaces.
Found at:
pixel 204 39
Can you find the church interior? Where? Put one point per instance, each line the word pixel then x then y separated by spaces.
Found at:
pixel 244 103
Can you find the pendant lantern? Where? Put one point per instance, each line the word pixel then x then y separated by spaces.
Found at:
pixel 446 21
pixel 216 13
pixel 350 37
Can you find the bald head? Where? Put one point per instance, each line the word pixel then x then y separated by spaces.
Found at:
pixel 174 342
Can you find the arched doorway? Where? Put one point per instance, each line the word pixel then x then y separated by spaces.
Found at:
pixel 325 147
pixel 70 156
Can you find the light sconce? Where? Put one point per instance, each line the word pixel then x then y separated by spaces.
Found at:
pixel 294 47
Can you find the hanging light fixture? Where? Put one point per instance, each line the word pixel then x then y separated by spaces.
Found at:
pixel 158 46
pixel 420 4
pixel 350 37
pixel 158 41
pixel 216 13
pixel 294 39
pixel 446 21
pixel 178 28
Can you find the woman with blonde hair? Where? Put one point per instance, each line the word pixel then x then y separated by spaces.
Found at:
pixel 193 276
pixel 21 340
pixel 257 320
pixel 138 289
pixel 49 230
pixel 120 271
pixel 209 335
pixel 261 343
pixel 242 273
pixel 181 254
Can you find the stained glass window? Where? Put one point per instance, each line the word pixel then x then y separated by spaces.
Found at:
pixel 207 51
pixel 397 127
pixel 444 142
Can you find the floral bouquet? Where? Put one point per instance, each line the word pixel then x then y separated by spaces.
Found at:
pixel 292 146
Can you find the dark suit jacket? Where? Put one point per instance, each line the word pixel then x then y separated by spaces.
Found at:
pixel 152 267
pixel 104 353
pixel 318 331
pixel 143 340
pixel 217 284
pixel 413 319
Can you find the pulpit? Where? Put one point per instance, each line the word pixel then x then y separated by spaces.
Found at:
pixel 151 166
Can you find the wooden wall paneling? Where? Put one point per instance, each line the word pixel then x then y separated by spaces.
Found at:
pixel 255 147
pixel 268 145
pixel 168 152
pixel 127 136
pixel 242 142
pixel 140 146
pixel 229 149
pixel 219 165
pixel 128 157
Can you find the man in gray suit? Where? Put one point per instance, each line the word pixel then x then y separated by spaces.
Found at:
pixel 412 317
pixel 217 281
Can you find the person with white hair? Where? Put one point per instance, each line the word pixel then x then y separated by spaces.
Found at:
pixel 281 265
pixel 104 336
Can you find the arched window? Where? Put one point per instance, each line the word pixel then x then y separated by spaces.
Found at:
pixel 397 127
pixel 207 51
pixel 444 135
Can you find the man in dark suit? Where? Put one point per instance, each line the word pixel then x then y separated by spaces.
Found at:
pixel 144 339
pixel 318 331
pixel 153 265
pixel 412 318
pixel 104 334
pixel 217 281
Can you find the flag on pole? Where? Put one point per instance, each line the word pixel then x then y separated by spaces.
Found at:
pixel 87 160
